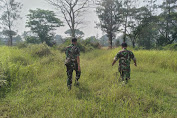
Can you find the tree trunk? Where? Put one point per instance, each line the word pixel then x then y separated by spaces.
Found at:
pixel 167 21
pixel 73 23
pixel 124 37
pixel 110 39
pixel 73 33
pixel 133 43
pixel 126 20
pixel 10 40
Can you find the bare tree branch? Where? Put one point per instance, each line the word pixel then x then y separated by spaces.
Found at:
pixel 72 10
pixel 82 7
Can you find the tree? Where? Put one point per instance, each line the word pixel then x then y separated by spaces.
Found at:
pixel 17 39
pixel 125 14
pixel 147 34
pixel 109 16
pixel 29 37
pixel 92 39
pixel 130 26
pixel 167 22
pixel 78 33
pixel 127 11
pixel 151 6
pixel 104 40
pixel 141 19
pixel 42 23
pixel 72 11
pixel 11 10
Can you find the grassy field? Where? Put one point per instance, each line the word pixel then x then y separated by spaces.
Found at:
pixel 36 85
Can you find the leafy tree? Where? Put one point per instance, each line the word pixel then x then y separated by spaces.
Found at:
pixel 29 37
pixel 151 6
pixel 109 16
pixel 92 39
pixel 78 33
pixel 167 21
pixel 32 39
pixel 42 23
pixel 141 17
pixel 147 33
pixel 127 12
pixel 11 13
pixel 17 39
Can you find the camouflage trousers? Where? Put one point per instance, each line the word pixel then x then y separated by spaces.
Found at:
pixel 125 75
pixel 70 68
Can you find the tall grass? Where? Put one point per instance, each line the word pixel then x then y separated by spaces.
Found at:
pixel 37 85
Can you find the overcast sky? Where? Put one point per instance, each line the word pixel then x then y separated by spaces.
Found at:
pixel 90 18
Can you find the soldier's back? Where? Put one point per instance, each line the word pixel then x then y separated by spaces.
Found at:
pixel 125 57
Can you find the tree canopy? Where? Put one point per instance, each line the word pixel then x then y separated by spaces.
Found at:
pixel 42 23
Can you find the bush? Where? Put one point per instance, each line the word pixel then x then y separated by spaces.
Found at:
pixel 2 77
pixel 63 46
pixel 84 45
pixel 139 48
pixel 89 43
pixel 20 59
pixel 39 50
pixel 22 45
pixel 171 47
pixel 33 40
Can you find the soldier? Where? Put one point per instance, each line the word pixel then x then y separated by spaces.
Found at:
pixel 124 57
pixel 72 62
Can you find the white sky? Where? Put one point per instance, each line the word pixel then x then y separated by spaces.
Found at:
pixel 90 18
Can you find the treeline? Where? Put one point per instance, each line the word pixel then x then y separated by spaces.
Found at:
pixel 146 24
pixel 149 25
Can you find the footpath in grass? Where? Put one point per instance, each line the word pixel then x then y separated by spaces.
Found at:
pixel 38 86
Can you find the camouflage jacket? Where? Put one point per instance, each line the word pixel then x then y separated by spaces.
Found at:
pixel 72 51
pixel 124 57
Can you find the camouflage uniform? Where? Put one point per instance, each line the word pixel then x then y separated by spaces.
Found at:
pixel 124 57
pixel 72 51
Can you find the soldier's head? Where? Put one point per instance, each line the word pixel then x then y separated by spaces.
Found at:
pixel 74 41
pixel 124 45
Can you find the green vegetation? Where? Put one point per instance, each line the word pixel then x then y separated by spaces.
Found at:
pixel 45 20
pixel 171 47
pixel 36 85
pixel 84 45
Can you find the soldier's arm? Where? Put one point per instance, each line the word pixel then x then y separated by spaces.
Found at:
pixel 134 59
pixel 114 62
pixel 78 62
pixel 78 59
pixel 116 58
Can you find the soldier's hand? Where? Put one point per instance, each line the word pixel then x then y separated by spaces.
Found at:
pixel 79 68
pixel 135 64
pixel 112 64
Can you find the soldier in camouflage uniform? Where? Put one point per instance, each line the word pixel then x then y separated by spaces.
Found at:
pixel 124 57
pixel 72 62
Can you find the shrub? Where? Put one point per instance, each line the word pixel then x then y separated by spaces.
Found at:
pixel 2 77
pixel 84 45
pixel 20 59
pixel 22 45
pixel 39 50
pixel 170 47
pixel 89 42
pixel 67 42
